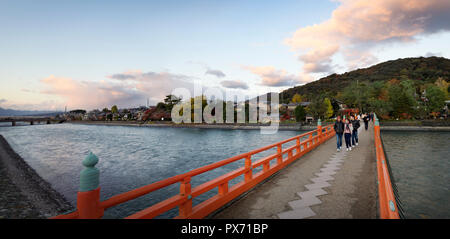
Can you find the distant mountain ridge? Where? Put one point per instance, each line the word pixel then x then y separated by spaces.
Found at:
pixel 11 112
pixel 423 69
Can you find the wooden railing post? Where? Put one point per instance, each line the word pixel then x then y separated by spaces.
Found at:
pixel 223 188
pixel 280 156
pixel 376 126
pixel 298 145
pixel 185 191
pixel 88 197
pixel 319 130
pixel 309 144
pixel 248 167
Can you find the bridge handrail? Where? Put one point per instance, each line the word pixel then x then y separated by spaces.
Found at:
pixel 225 194
pixel 388 208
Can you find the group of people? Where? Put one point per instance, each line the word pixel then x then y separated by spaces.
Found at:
pixel 348 127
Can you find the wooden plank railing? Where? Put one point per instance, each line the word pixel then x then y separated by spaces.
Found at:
pixel 89 205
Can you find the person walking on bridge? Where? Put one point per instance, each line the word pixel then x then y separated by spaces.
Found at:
pixel 339 129
pixel 355 124
pixel 348 128
pixel 366 121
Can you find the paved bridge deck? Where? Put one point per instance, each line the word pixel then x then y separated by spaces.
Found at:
pixel 322 184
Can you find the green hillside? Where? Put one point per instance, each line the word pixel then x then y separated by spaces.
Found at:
pixel 421 70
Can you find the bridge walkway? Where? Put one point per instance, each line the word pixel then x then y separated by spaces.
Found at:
pixel 322 184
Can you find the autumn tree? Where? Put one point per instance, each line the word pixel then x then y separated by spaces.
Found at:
pixel 329 107
pixel 114 109
pixel 297 98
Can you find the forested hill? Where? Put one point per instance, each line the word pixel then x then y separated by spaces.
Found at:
pixel 421 70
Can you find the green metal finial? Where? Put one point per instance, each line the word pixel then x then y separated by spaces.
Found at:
pixel 319 123
pixel 377 123
pixel 89 177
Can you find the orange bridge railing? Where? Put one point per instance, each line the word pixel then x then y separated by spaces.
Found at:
pixel 90 206
pixel 388 208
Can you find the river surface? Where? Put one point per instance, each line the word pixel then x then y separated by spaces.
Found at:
pixel 130 157
pixel 420 163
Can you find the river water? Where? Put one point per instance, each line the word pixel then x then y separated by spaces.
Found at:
pixel 130 157
pixel 420 163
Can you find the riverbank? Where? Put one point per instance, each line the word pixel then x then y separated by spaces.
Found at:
pixel 416 128
pixel 388 126
pixel 295 127
pixel 418 123
pixel 24 194
pixel 415 125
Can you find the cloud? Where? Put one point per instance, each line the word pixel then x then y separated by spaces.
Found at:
pixel 359 58
pixel 317 60
pixel 276 78
pixel 50 105
pixel 122 76
pixel 216 73
pixel 356 26
pixel 433 54
pixel 84 94
pixel 234 84
pixel 2 101
pixel 123 89
pixel 28 90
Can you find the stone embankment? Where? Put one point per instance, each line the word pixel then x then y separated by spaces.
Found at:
pixel 24 194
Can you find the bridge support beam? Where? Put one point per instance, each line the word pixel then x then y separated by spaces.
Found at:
pixel 31 123
pixel 13 123
pixel 48 121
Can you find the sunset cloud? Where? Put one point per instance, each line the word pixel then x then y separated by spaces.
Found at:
pixel 276 78
pixel 356 26
pixel 122 89
pixel 85 94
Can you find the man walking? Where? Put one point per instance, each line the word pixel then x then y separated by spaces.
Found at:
pixel 366 121
pixel 355 124
pixel 339 129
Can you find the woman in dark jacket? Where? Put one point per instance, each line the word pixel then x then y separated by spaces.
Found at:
pixel 355 124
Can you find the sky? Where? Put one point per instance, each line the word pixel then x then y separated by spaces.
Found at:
pixel 95 54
